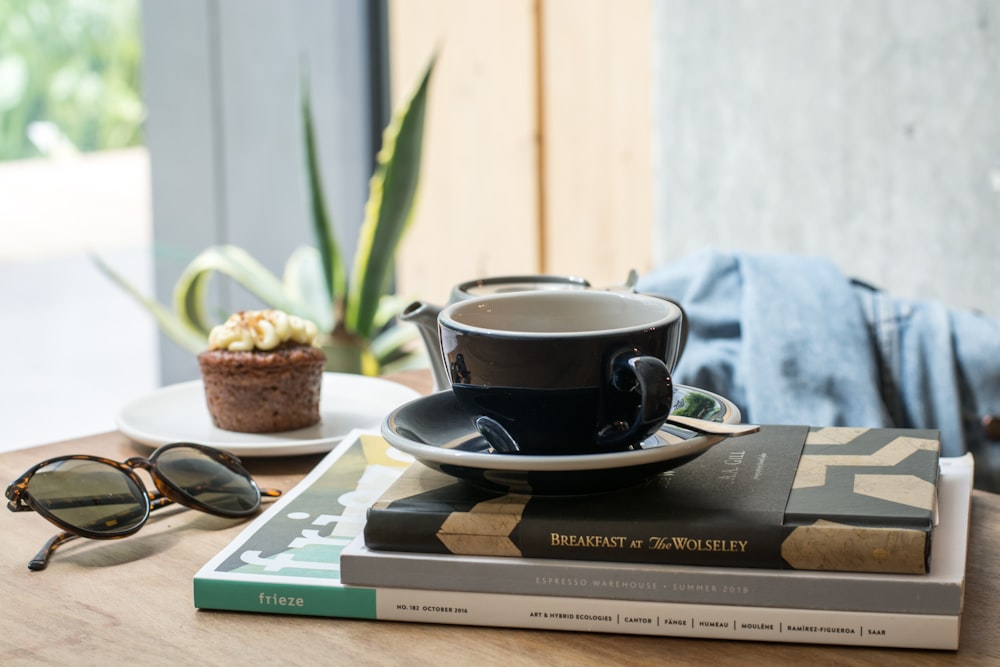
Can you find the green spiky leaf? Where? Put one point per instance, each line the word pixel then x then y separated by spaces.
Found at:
pixel 392 193
pixel 322 224
pixel 190 292
pixel 314 284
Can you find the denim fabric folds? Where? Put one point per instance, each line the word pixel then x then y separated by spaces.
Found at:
pixel 791 340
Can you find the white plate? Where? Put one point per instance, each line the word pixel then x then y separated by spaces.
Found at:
pixel 178 413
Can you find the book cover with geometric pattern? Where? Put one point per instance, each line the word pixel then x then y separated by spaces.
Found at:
pixel 841 499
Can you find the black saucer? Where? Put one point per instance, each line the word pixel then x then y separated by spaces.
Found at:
pixel 436 432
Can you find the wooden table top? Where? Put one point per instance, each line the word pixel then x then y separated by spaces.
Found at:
pixel 130 600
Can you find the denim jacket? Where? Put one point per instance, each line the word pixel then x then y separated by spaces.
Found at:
pixel 791 340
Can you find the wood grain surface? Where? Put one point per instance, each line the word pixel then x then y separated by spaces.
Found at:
pixel 130 600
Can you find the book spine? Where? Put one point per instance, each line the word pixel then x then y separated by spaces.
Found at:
pixel 812 626
pixel 271 597
pixel 683 540
pixel 712 586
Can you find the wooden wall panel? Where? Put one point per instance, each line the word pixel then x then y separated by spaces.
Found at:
pixel 478 207
pixel 596 73
pixel 538 139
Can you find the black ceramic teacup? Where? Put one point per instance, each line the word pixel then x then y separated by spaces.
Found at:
pixel 562 372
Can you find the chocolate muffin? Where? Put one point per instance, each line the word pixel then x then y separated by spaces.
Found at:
pixel 263 372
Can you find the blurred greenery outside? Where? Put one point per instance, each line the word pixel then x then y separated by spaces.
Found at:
pixel 69 77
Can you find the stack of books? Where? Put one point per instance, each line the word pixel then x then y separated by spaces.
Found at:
pixel 867 545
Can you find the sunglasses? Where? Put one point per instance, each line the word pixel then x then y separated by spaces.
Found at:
pixel 101 499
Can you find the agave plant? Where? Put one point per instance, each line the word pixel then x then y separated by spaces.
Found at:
pixel 354 311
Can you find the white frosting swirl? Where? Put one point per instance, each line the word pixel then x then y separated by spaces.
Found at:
pixel 261 330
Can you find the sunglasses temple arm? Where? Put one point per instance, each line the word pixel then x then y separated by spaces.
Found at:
pixel 156 501
pixel 41 559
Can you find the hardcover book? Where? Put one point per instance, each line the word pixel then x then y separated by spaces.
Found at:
pixel 940 591
pixel 287 561
pixel 833 499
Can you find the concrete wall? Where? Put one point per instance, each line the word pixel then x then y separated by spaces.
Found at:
pixel 867 131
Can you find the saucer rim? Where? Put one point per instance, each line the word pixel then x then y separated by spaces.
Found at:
pixel 439 455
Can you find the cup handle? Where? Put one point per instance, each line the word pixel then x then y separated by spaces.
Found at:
pixel 650 378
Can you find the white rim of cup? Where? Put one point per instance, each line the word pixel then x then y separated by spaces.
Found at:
pixel 446 316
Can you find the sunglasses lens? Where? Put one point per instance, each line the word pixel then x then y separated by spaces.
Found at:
pixel 90 496
pixel 209 481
